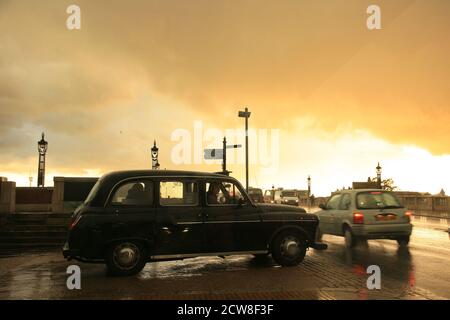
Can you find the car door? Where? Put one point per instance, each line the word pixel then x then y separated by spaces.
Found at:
pixel 231 220
pixel 327 216
pixel 180 227
pixel 342 213
pixel 129 214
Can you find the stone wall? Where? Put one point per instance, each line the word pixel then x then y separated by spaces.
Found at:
pixel 7 196
pixel 33 199
pixel 66 194
pixel 70 192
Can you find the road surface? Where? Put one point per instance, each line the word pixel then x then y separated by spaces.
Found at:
pixel 420 272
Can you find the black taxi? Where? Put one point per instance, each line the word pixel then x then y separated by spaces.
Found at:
pixel 134 217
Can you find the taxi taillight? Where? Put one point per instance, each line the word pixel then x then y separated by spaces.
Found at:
pixel 75 222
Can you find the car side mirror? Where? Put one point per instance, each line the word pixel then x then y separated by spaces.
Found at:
pixel 322 206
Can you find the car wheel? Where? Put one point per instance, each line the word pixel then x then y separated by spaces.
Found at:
pixel 125 258
pixel 403 241
pixel 350 240
pixel 288 248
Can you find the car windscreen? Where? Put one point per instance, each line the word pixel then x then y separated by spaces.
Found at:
pixel 257 192
pixel 377 200
pixel 288 194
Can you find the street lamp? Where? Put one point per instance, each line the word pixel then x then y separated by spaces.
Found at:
pixel 42 149
pixel 245 114
pixel 155 163
pixel 378 168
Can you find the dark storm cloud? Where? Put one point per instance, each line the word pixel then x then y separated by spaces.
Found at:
pixel 284 59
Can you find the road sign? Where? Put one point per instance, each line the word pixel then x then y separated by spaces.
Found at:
pixel 213 154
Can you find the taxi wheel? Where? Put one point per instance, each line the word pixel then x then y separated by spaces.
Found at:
pixel 403 241
pixel 350 240
pixel 288 248
pixel 125 258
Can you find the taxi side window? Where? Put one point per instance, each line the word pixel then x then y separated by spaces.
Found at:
pixel 222 193
pixel 346 201
pixel 135 193
pixel 178 193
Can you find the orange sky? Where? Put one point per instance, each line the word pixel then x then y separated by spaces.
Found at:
pixel 341 96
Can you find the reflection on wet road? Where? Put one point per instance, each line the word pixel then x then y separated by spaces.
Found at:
pixel 418 272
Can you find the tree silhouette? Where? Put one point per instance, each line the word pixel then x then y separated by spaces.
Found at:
pixel 387 184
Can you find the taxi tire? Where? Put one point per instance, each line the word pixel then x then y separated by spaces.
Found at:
pixel 276 248
pixel 114 270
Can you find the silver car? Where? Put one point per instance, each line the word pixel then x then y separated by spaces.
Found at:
pixel 365 214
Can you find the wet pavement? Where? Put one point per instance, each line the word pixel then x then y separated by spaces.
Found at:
pixel 418 272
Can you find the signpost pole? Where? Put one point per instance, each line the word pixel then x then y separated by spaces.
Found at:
pixel 245 114
pixel 214 154
pixel 224 156
pixel 246 152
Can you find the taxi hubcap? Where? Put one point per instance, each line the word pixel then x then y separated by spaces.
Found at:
pixel 126 256
pixel 290 247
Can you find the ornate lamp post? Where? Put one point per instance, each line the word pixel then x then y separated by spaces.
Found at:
pixel 155 163
pixel 378 168
pixel 42 149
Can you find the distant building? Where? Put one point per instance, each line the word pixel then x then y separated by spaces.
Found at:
pixel 365 185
